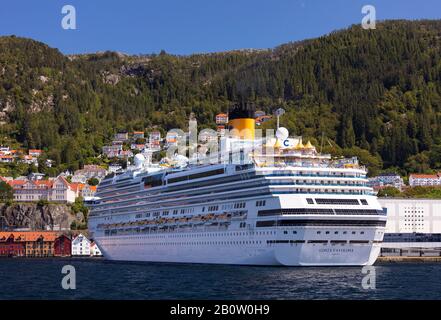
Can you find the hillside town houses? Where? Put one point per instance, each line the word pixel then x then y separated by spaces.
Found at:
pixel 88 172
pixel 135 141
pixel 8 155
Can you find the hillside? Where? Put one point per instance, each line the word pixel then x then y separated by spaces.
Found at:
pixel 373 93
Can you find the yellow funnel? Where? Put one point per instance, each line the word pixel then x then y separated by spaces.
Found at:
pixel 241 121
pixel 243 128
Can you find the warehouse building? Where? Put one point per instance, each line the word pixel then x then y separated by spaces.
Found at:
pixel 413 226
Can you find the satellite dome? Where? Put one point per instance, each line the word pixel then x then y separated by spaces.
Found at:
pixel 282 133
pixel 181 161
pixel 139 160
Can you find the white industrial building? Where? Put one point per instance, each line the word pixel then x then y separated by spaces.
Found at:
pixel 412 215
pixel 412 223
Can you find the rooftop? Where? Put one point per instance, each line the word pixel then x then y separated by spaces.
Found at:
pixel 28 235
pixel 425 176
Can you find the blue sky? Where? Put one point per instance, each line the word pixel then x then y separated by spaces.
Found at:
pixel 193 26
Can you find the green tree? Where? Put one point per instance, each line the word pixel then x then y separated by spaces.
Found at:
pixel 389 192
pixel 6 192
pixel 78 206
pixel 418 163
pixel 93 181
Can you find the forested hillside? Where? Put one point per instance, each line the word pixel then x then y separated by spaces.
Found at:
pixel 371 93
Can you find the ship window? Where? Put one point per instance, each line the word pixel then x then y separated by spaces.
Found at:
pixel 197 175
pixel 364 202
pixel 153 181
pixel 337 201
pixel 310 201
pixel 239 205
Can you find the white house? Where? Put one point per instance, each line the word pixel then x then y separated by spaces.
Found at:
pixel 35 152
pixel 57 190
pixel 114 168
pixel 4 150
pixel 61 191
pixel 425 180
pixel 81 246
pixel 79 178
pixel 387 180
pixel 91 171
pixel 95 250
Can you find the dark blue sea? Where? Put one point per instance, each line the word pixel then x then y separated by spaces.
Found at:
pixel 101 279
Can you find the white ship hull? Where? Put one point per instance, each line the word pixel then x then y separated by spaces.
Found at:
pixel 165 249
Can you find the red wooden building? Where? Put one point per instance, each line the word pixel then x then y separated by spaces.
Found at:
pixel 11 246
pixel 62 246
pixel 34 244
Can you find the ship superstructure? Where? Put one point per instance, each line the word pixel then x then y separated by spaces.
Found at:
pixel 282 203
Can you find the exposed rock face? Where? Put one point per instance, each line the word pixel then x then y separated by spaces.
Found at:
pixel 23 215
pixel 110 78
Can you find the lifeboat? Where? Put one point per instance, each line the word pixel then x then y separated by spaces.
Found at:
pixel 222 216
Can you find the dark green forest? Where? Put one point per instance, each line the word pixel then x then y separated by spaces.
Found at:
pixel 371 93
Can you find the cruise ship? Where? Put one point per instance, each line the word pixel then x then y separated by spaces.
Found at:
pixel 276 202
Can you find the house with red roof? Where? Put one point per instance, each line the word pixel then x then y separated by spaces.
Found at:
pixel 35 152
pixel 6 158
pixel 57 190
pixel 425 180
pixel 138 135
pixel 222 118
pixel 83 190
pixel 34 244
